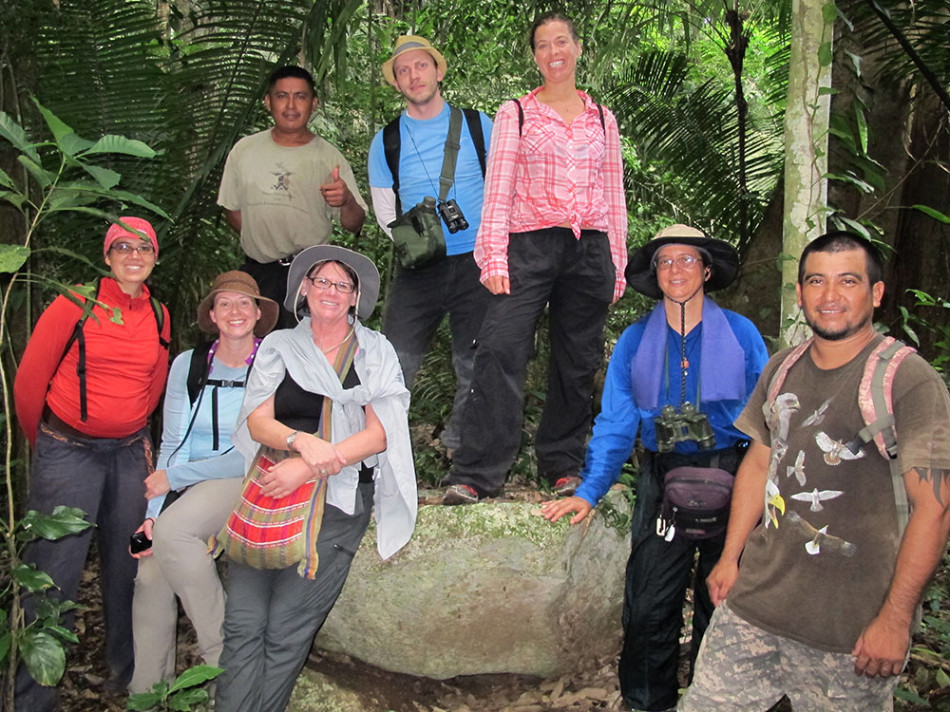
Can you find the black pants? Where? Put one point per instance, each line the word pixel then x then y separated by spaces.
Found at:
pixel 271 278
pixel 658 574
pixel 576 279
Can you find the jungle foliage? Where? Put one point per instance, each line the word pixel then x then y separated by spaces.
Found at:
pixel 698 89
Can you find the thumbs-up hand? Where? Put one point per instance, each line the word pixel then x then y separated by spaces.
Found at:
pixel 335 190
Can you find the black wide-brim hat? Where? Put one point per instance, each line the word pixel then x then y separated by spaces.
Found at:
pixel 720 256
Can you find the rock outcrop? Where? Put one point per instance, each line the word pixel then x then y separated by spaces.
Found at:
pixel 486 588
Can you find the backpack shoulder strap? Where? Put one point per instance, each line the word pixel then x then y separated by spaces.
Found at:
pixel 875 397
pixel 198 370
pixel 876 401
pixel 474 120
pixel 520 114
pixel 603 124
pixel 78 336
pixel 159 314
pixel 775 385
pixel 391 147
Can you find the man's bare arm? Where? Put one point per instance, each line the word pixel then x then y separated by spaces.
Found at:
pixel 882 646
pixel 748 500
pixel 234 219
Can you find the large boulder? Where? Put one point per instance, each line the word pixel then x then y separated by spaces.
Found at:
pixel 486 588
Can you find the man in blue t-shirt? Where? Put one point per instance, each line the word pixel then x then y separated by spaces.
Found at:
pixel 419 299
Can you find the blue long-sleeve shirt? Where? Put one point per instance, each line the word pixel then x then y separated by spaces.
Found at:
pixel 197 460
pixel 616 426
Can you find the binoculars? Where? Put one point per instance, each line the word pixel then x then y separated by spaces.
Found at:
pixel 680 426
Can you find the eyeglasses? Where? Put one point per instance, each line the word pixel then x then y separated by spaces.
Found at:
pixel 684 261
pixel 124 248
pixel 323 284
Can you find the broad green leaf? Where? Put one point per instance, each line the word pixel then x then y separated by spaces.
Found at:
pixel 854 225
pixel 62 633
pixel 851 180
pixel 14 133
pixel 825 54
pixel 51 609
pixel 197 675
pixel 862 127
pixel 942 678
pixel 829 12
pixel 56 125
pixel 44 655
pixel 930 212
pixel 71 144
pixel 144 701
pixel 187 699
pixel 106 177
pixel 63 521
pixel 12 257
pixel 66 199
pixel 120 144
pixel 823 91
pixel 5 180
pixel 40 174
pixel 17 200
pixel 902 693
pixel 32 579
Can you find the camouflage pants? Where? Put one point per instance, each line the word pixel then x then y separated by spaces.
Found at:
pixel 742 668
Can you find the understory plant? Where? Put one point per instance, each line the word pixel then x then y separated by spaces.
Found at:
pixel 53 176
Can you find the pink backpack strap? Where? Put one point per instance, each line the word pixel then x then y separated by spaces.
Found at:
pixel 875 397
pixel 778 380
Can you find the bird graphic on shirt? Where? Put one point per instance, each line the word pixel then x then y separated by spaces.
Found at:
pixel 835 450
pixel 779 413
pixel 816 497
pixel 774 502
pixel 798 469
pixel 818 416
pixel 819 540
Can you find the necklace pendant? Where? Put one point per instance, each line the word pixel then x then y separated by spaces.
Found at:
pixel 685 363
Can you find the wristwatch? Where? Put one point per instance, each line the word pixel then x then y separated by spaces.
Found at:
pixel 291 438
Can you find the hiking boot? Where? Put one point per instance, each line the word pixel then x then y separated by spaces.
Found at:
pixel 567 486
pixel 460 494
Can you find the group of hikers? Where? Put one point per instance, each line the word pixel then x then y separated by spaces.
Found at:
pixel 284 432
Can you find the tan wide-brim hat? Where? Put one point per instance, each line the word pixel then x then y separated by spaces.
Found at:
pixel 367 276
pixel 406 43
pixel 722 257
pixel 242 283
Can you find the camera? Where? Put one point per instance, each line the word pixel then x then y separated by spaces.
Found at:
pixel 452 215
pixel 676 427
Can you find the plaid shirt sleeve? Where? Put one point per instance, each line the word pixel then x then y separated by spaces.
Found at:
pixel 491 245
pixel 612 170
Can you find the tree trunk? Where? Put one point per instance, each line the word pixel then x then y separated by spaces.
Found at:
pixel 806 126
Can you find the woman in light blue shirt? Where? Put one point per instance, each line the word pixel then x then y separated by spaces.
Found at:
pixel 199 465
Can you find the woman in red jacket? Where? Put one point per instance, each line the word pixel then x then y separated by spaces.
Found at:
pixel 85 388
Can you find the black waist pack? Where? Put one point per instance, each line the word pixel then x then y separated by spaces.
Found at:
pixel 418 236
pixel 695 502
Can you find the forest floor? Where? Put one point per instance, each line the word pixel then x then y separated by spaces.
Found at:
pixel 592 688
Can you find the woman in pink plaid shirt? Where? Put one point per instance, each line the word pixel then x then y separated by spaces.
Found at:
pixel 553 232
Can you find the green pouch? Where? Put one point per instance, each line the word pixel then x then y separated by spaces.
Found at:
pixel 418 236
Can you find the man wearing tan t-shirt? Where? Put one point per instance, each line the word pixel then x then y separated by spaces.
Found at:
pixel 282 188
pixel 823 603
